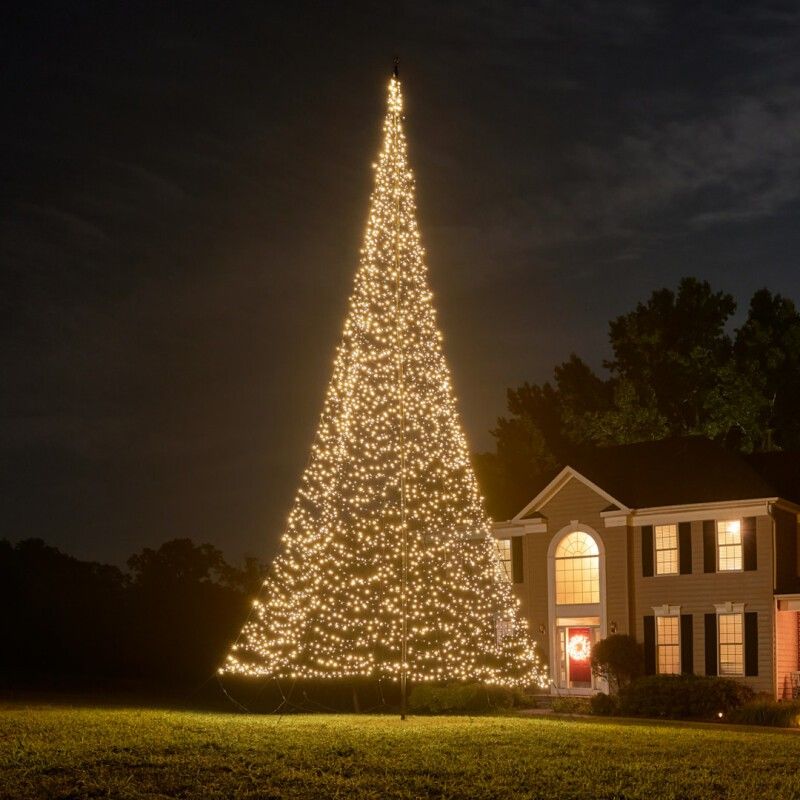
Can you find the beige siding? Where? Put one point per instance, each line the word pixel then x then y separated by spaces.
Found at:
pixel 574 502
pixel 697 594
pixel 630 596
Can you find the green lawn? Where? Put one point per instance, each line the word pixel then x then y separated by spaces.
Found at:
pixel 62 752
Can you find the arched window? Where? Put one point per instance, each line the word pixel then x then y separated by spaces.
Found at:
pixel 577 569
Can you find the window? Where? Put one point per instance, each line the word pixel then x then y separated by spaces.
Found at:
pixel 729 545
pixel 577 569
pixel 668 644
pixel 504 554
pixel 730 629
pixel 503 627
pixel 666 549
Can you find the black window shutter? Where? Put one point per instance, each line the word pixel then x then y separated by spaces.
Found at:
pixel 687 644
pixel 516 559
pixel 711 644
pixel 749 550
pixel 709 546
pixel 647 551
pixel 751 643
pixel 650 645
pixel 685 547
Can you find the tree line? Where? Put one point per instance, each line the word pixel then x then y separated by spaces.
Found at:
pixel 675 370
pixel 165 622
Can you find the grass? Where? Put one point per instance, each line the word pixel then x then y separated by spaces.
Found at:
pixel 64 752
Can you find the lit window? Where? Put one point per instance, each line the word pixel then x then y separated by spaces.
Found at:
pixel 504 627
pixel 577 569
pixel 729 545
pixel 504 554
pixel 668 641
pixel 731 643
pixel 666 549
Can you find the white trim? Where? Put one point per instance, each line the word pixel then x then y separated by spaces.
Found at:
pixel 655 550
pixel 582 610
pixel 588 621
pixel 667 611
pixel 788 505
pixel 729 608
pixel 504 530
pixel 673 612
pixel 664 515
pixel 732 608
pixel 717 545
pixel 558 483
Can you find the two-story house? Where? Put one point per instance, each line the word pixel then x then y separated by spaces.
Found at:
pixel 687 546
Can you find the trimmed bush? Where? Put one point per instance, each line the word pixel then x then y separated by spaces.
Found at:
pixel 682 697
pixel 461 698
pixel 603 705
pixel 571 705
pixel 768 712
pixel 619 659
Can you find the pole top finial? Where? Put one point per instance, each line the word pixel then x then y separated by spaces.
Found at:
pixel 396 66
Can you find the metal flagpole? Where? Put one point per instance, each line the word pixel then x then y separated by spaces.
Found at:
pixel 403 531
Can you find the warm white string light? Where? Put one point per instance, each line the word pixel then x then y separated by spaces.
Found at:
pixel 389 465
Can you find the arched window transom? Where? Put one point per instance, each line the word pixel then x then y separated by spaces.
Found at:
pixel 577 569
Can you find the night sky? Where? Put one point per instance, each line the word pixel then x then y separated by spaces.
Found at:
pixel 185 189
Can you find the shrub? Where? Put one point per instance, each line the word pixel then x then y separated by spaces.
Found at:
pixel 461 698
pixel 603 705
pixel 682 696
pixel 767 712
pixel 619 659
pixel 571 705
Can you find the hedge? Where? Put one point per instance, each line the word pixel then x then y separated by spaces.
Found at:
pixel 683 697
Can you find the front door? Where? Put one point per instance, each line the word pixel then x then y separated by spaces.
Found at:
pixel 575 655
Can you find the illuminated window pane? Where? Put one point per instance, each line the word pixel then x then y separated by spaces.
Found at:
pixel 729 545
pixel 504 627
pixel 504 554
pixel 668 639
pixel 666 537
pixel 577 569
pixel 730 629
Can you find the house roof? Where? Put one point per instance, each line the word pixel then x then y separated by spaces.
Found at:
pixel 781 469
pixel 681 471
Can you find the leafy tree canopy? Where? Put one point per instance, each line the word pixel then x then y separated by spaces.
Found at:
pixel 674 371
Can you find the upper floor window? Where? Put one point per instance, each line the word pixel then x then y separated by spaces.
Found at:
pixel 730 629
pixel 668 644
pixel 504 554
pixel 666 537
pixel 729 545
pixel 577 569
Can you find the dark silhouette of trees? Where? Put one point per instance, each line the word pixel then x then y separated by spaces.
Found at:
pixel 674 371
pixel 166 623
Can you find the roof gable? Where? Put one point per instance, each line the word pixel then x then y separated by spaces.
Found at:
pixel 557 484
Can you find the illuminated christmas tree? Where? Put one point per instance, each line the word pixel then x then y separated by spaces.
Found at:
pixel 388 568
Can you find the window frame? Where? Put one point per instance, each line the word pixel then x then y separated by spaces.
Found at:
pixel 718 546
pixel 595 579
pixel 731 609
pixel 670 612
pixel 677 549
pixel 503 545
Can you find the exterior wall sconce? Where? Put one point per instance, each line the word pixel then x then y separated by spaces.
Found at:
pixel 542 629
pixel 613 626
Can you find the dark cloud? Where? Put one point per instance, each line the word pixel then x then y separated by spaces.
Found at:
pixel 185 188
